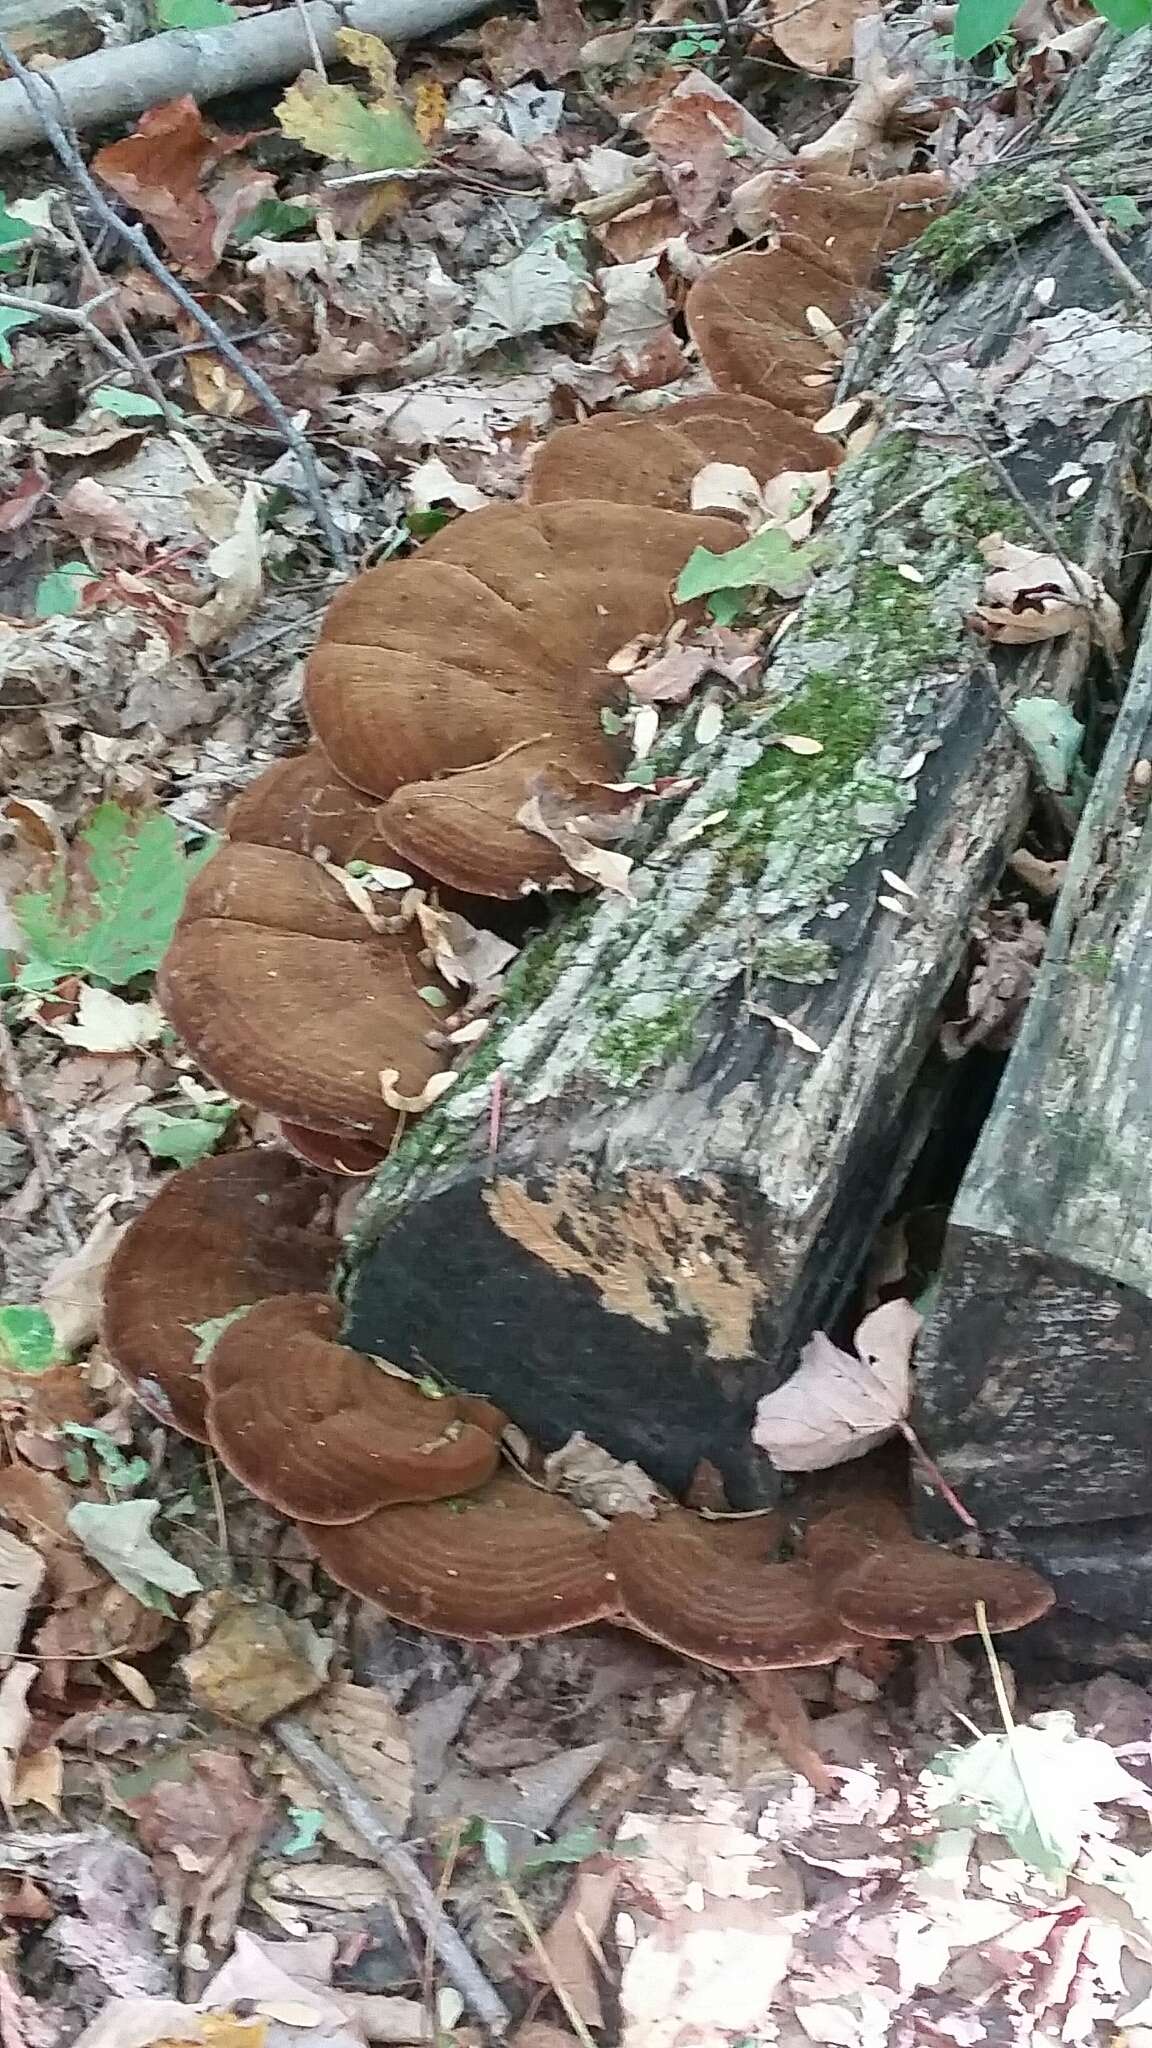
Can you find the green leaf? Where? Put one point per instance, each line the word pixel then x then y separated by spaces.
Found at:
pixel 1122 211
pixel 195 13
pixel 120 1538
pixel 1126 15
pixel 27 1340
pixel 332 121
pixel 10 320
pixel 768 560
pixel 13 234
pixel 307 1824
pixel 494 1844
pixel 119 1473
pixel 127 405
pixel 726 605
pixel 574 1847
pixel 183 1139
pixel 110 907
pixel 59 594
pixel 979 23
pixel 273 218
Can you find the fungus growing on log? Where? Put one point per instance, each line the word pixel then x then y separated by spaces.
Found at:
pixel 889 1584
pixel 708 1590
pixel 847 225
pixel 752 319
pixel 652 458
pixel 511 1560
pixel 449 683
pixel 302 806
pixel 291 1000
pixel 218 1237
pixel 325 1434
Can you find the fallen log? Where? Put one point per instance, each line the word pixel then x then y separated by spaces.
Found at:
pixel 664 1165
pixel 1034 1365
pixel 118 84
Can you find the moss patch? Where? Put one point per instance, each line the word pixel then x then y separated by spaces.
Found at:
pixel 631 1046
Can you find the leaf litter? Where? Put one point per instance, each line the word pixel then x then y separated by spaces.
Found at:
pixel 946 1905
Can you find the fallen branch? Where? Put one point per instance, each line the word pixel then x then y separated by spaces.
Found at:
pixel 116 85
pixel 394 1859
pixel 42 97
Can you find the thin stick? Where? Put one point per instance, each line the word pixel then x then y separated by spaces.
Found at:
pixel 128 342
pixel 43 1158
pixel 42 101
pixel 314 50
pixel 559 1989
pixel 70 316
pixel 1105 248
pixel 401 1867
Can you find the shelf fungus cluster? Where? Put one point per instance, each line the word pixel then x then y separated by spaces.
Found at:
pixel 216 1312
pixel 446 691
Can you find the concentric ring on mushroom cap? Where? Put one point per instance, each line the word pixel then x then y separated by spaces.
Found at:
pixel 219 1236
pixel 883 1581
pixel 290 1000
pixel 700 1588
pixel 488 646
pixel 748 316
pixel 324 1433
pixel 652 458
pixel 510 1560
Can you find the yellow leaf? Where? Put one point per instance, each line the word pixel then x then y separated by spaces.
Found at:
pixel 431 105
pixel 372 55
pixel 333 122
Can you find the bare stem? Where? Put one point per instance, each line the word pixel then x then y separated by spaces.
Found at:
pixel 69 316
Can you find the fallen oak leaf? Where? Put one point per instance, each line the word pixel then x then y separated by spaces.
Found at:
pixel 1029 596
pixel 836 1406
pixel 863 126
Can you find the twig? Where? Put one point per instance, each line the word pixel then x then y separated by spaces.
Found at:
pixel 42 1156
pixel 70 316
pixel 401 1867
pixel 41 98
pixel 1105 248
pixel 128 342
pixel 559 1989
pixel 314 50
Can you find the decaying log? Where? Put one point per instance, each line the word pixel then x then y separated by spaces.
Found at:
pixel 645 1192
pixel 1034 1368
pixel 119 83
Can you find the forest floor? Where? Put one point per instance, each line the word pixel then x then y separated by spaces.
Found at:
pixel 625 1852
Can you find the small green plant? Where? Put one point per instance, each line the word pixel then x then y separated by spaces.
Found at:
pixel 118 1473
pixel 61 593
pixel 27 1340
pixel 13 234
pixel 10 320
pixel 695 43
pixel 980 24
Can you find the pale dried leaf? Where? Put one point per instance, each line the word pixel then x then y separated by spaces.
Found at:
pixel 836 1406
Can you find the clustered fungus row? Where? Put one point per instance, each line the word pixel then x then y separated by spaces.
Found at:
pixel 401 1493
pixel 444 689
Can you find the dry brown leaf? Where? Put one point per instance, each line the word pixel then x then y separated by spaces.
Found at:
pixel 15 1720
pixel 582 819
pixel 202 1821
pixel 817 35
pixel 1030 596
pixel 169 170
pixel 549 41
pixel 836 1406
pixel 575 1936
pixel 360 1727
pixel 249 1661
pixel 862 128
pixel 594 1479
pixel 705 142
pixel 73 1291
pixel 91 512
pixel 21 1577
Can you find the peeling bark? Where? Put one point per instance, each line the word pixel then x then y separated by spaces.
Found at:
pixel 680 1191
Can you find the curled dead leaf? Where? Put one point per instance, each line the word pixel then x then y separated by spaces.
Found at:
pixel 1029 596
pixel 436 1086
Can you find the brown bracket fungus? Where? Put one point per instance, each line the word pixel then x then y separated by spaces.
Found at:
pixel 847 225
pixel 511 1560
pixel 323 1433
pixel 652 458
pixel 757 319
pixel 708 1590
pixel 219 1236
pixel 302 806
pixel 448 683
pixel 289 998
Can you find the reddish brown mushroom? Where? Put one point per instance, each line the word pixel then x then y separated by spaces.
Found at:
pixel 289 999
pixel 652 458
pixel 302 806
pixel 511 1560
pixel 883 1581
pixel 322 1432
pixel 449 683
pixel 847 225
pixel 711 1591
pixel 754 318
pixel 332 1151
pixel 218 1237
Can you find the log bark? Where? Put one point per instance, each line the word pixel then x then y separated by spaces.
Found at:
pixel 1034 1367
pixel 680 1191
pixel 118 84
